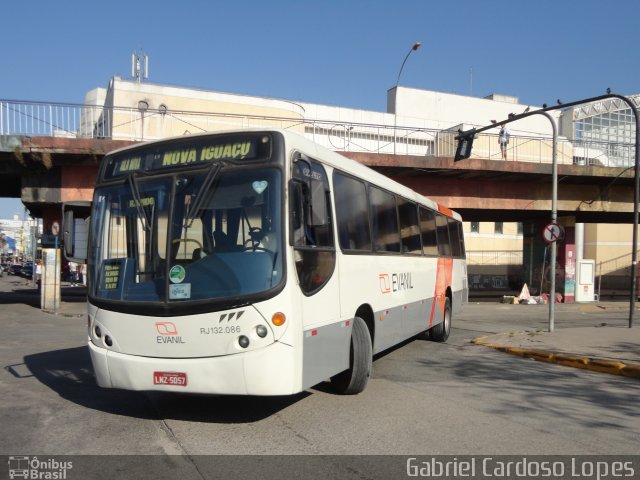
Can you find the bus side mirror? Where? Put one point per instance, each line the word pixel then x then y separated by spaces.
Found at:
pixel 75 230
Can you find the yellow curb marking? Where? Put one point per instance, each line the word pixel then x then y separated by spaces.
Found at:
pixel 577 361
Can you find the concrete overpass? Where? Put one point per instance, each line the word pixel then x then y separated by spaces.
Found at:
pixel 46 171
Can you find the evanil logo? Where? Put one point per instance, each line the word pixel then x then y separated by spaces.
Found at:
pixel 168 333
pixel 395 282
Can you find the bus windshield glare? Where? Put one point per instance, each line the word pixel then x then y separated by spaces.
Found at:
pixel 208 234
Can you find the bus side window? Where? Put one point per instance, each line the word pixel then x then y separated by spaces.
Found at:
pixel 384 221
pixel 442 228
pixel 454 235
pixel 409 228
pixel 428 228
pixel 311 225
pixel 463 252
pixel 352 212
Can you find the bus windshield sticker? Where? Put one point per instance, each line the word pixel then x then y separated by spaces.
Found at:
pixel 111 275
pixel 177 274
pixel 180 291
pixel 259 186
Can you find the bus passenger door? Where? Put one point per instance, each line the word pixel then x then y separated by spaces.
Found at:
pixel 325 339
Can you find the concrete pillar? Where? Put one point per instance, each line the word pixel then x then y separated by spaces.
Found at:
pixel 536 260
pixel 566 279
pixel 533 255
pixel 50 280
pixel 50 292
pixel 579 241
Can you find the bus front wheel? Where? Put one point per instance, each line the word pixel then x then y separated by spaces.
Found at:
pixel 440 332
pixel 355 378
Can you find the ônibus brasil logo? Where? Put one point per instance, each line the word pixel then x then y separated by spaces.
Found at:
pixel 34 468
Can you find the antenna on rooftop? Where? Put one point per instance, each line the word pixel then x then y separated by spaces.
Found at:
pixel 139 66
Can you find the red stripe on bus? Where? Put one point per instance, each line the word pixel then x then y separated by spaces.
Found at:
pixel 445 210
pixel 444 275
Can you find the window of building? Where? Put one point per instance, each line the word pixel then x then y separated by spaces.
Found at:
pixel 498 228
pixel 475 227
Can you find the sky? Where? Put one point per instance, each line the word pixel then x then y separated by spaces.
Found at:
pixel 333 52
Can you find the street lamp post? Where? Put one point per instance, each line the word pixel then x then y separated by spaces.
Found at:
pixel 554 218
pixel 415 47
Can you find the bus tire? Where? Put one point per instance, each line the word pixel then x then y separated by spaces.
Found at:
pixel 440 332
pixel 355 378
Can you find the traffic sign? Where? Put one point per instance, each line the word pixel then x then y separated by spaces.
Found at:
pixel 552 232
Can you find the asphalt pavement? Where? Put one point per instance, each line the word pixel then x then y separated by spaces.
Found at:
pixel 593 336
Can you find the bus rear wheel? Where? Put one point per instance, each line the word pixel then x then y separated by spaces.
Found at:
pixel 440 332
pixel 355 378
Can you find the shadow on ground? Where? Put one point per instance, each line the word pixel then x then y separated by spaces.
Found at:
pixel 69 373
pixel 31 296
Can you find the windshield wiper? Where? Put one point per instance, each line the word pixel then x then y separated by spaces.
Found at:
pixel 135 192
pixel 206 184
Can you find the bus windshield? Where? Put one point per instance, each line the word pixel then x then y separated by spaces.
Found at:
pixel 196 236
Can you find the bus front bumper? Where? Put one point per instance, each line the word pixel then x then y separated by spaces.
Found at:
pixel 268 371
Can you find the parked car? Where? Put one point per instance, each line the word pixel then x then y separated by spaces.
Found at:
pixel 14 269
pixel 27 272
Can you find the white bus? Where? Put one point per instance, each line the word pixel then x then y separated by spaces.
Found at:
pixel 258 263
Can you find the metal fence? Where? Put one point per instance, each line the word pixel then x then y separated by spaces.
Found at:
pixel 90 121
pixel 494 257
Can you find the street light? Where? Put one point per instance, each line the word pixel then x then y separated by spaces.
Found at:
pixel 415 47
pixel 554 217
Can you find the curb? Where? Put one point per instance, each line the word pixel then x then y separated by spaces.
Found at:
pixel 612 367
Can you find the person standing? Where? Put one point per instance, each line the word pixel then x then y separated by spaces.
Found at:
pixel 38 272
pixel 82 271
pixel 73 273
pixel 503 140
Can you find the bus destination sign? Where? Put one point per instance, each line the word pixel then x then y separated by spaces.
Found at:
pixel 180 155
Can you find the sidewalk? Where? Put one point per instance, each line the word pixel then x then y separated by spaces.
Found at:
pixel 72 303
pixel 598 346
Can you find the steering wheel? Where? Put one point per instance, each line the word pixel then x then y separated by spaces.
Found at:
pixel 256 234
pixel 255 237
pixel 186 240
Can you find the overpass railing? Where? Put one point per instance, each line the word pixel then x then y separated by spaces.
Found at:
pixel 494 257
pixel 90 121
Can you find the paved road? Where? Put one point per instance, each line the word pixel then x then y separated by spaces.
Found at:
pixel 424 398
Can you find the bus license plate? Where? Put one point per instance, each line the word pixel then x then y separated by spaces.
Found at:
pixel 178 379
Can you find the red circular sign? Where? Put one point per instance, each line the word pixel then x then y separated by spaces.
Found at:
pixel 552 232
